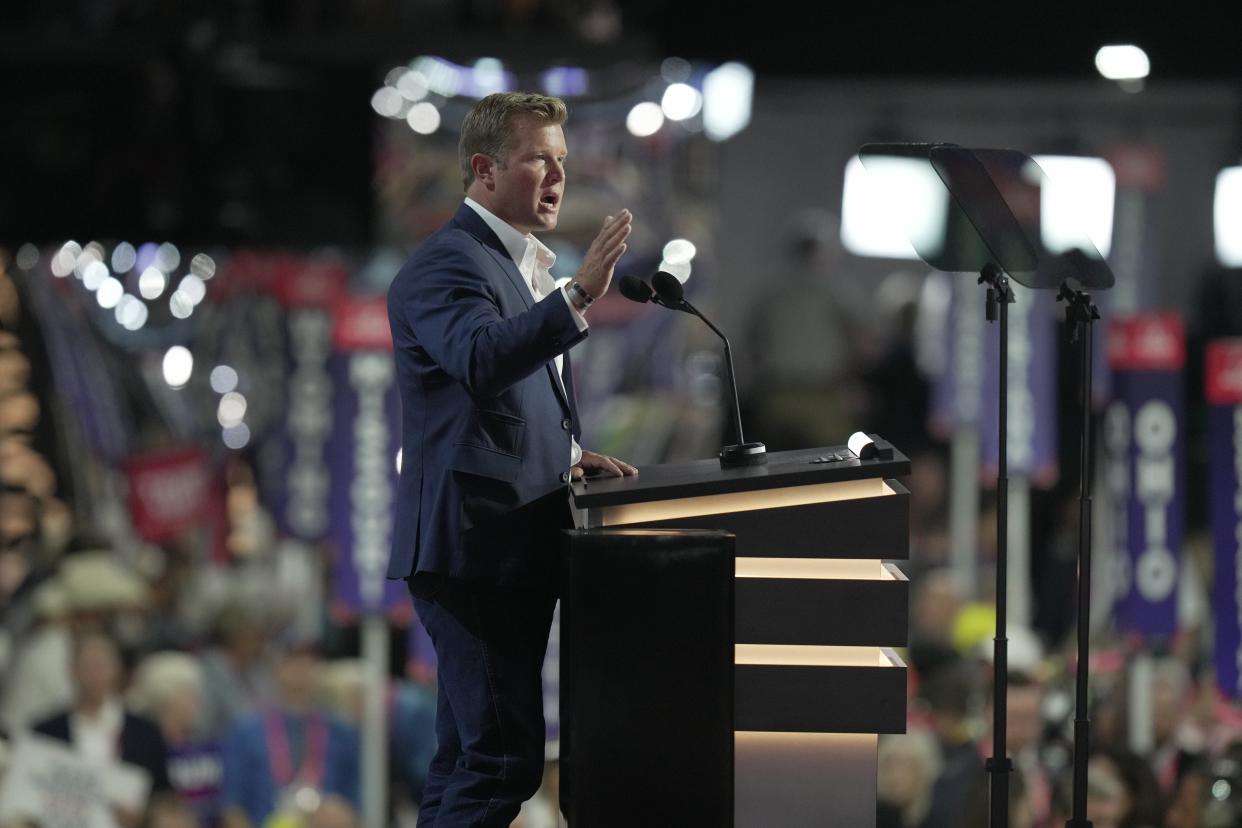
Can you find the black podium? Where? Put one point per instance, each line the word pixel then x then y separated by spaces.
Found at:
pixel 815 611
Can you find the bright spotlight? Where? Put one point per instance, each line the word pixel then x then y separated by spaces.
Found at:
pixel 645 119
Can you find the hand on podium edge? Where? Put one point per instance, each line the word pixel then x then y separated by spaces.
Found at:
pixel 593 463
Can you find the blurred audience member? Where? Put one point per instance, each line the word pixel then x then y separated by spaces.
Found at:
pixel 167 687
pixel 98 726
pixel 1024 727
pixel 333 812
pixel 1106 797
pixel 39 682
pixel 934 610
pixel 973 812
pixel 907 766
pixel 1189 795
pixel 1142 804
pixel 946 697
pixel 1176 737
pixel 171 812
pixel 90 591
pixel 236 678
pixel 285 759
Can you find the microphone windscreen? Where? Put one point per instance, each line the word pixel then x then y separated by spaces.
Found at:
pixel 635 289
pixel 667 287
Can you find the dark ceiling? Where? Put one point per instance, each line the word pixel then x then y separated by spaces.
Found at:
pixel 248 120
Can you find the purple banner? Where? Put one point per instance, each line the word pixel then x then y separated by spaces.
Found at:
pixel 965 391
pixel 1032 409
pixel 1146 443
pixel 1224 393
pixel 299 496
pixel 363 456
pixel 957 395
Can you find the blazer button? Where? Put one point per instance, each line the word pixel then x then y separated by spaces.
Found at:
pixel 565 424
pixel 564 477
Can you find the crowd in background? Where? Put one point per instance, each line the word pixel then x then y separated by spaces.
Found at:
pixel 231 684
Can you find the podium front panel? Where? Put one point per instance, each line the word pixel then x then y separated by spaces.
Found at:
pixel 816 609
pixel 646 678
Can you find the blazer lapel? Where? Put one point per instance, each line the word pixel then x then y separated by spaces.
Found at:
pixel 473 223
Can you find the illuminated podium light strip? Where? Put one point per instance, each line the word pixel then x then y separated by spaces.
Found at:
pixel 818 689
pixel 818 602
pixel 834 569
pixel 663 510
pixel 802 655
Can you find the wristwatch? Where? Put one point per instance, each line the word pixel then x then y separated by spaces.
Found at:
pixel 579 297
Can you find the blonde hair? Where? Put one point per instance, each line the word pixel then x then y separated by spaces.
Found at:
pixel 487 126
pixel 163 676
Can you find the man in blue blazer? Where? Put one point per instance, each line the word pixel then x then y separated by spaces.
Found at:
pixel 489 443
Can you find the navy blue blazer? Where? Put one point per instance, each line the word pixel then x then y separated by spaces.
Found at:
pixel 485 426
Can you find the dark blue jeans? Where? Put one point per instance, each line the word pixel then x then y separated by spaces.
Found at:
pixel 490 643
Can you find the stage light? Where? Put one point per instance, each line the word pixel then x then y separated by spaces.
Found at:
pixel 645 119
pixel 386 102
pixel 564 81
pixel 27 256
pixel 679 269
pixel 444 78
pixel 675 70
pixel 94 274
pixel 890 202
pixel 727 96
pixel 679 251
pixel 399 451
pixel 64 259
pixel 192 288
pixel 131 313
pixel 178 366
pixel 232 409
pixel 1122 62
pixel 681 101
pixel 1076 202
pixel 412 85
pixel 167 257
pixel 1227 216
pixel 487 77
pixel 152 283
pixel 146 255
pixel 89 255
pixel 203 266
pixel 109 293
pixel 124 257
pixel 237 437
pixel 223 379
pixel 423 118
pixel 180 306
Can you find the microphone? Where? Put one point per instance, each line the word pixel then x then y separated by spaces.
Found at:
pixel 672 294
pixel 636 290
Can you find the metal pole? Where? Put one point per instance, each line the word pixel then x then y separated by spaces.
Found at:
pixel 374 765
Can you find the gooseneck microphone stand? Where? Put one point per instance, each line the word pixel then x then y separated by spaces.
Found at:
pixel 741 453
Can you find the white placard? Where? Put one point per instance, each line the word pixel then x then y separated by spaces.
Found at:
pixel 50 784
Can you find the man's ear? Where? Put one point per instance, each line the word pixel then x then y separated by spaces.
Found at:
pixel 484 168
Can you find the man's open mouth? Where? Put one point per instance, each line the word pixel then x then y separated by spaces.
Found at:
pixel 550 199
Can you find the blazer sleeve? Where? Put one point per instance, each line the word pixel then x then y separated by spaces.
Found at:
pixel 453 313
